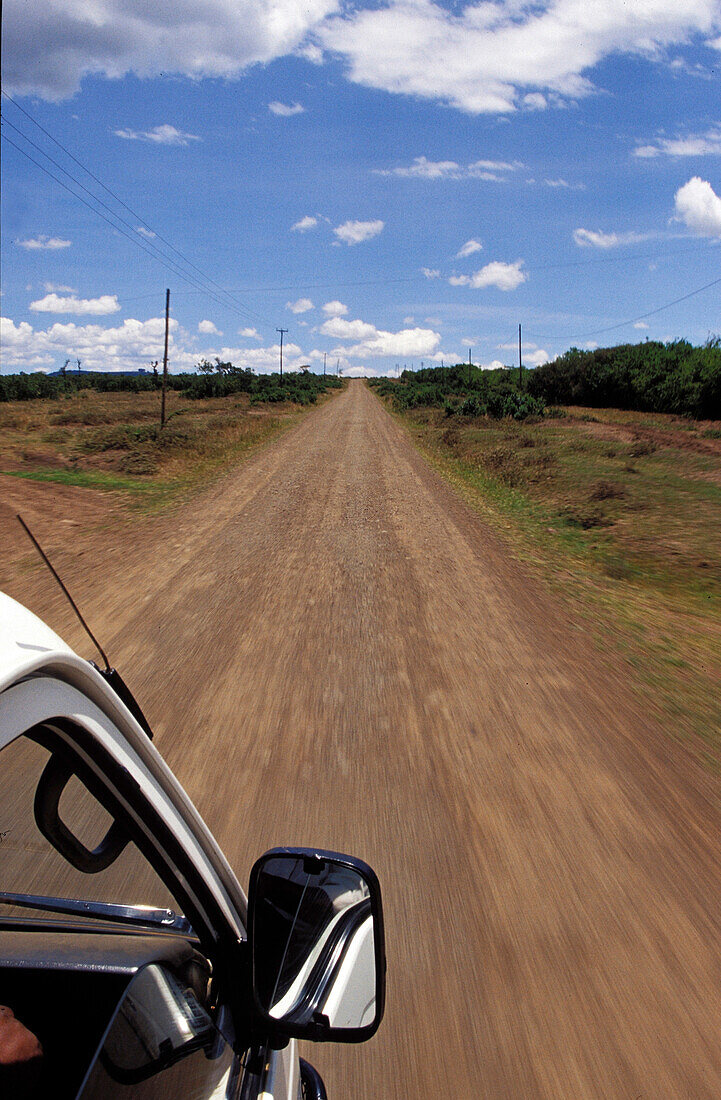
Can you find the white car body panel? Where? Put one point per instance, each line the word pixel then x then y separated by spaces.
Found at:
pixel 42 679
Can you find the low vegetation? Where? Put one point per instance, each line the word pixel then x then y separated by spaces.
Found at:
pixel 620 510
pixel 103 431
pixel 216 379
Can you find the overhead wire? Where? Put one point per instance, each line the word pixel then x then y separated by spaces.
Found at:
pixel 171 264
pixel 241 307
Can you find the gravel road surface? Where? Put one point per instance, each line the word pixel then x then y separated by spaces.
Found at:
pixel 334 650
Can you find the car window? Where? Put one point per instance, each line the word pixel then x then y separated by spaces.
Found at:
pixel 161 1042
pixel 31 865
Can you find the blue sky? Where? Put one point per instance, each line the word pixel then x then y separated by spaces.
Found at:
pixel 390 182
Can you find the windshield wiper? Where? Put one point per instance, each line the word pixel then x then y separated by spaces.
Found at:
pixel 147 915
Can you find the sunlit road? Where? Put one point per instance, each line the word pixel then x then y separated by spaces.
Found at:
pixel 334 651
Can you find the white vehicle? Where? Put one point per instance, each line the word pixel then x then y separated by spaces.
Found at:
pixel 127 946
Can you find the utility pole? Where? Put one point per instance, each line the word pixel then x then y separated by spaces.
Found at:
pixel 281 331
pixel 324 359
pixel 520 361
pixel 469 366
pixel 165 358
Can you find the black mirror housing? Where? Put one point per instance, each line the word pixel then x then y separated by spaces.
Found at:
pixel 317 946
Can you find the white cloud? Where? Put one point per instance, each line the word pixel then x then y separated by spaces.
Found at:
pixel 301 306
pixel 335 309
pixel 57 288
pixel 49 48
pixel 145 232
pixel 595 238
pixel 535 358
pixel 431 272
pixel 408 320
pixel 306 223
pixel 468 56
pixel 406 343
pixel 695 145
pixel 425 169
pixel 126 347
pixel 285 110
pixel 535 101
pixel 44 243
pixel 501 275
pixel 353 232
pixel 249 333
pixel 564 185
pixel 159 135
pixel 699 207
pixel 468 249
pixel 99 307
pixel 341 329
pixel 640 324
pixel 208 328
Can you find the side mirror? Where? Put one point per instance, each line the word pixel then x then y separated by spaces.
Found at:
pixel 315 926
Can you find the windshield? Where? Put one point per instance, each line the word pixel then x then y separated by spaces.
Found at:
pixel 30 864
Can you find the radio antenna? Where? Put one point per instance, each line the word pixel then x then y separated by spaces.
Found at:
pixel 70 599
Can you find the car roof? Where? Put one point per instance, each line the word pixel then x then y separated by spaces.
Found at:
pixel 25 640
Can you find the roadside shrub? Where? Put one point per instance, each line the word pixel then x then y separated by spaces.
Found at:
pixel 607 490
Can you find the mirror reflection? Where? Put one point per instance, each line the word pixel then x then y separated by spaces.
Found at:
pixel 314 946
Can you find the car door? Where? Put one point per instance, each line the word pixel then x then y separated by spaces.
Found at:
pixel 54 698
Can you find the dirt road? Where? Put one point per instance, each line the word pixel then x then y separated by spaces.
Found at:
pixel 333 650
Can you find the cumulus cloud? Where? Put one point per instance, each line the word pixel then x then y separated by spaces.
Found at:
pixel 129 345
pixel 341 329
pixel 498 274
pixel 44 243
pixel 145 232
pixel 425 169
pixel 302 305
pixel 431 272
pixel 694 145
pixel 468 249
pixel 125 347
pixel 285 110
pixel 376 343
pixel 699 207
pixel 249 333
pixel 53 303
pixel 353 232
pixel 208 328
pixel 335 309
pixel 468 56
pixel 640 324
pixel 535 358
pixel 595 238
pixel 58 288
pixel 49 48
pixel 306 223
pixel 159 135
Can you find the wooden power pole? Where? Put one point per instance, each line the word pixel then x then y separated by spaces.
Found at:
pixel 165 358
pixel 520 361
pixel 281 331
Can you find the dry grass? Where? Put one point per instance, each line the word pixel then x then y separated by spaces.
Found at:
pixel 622 514
pixel 113 441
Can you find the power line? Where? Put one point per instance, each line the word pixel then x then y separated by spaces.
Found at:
pixel 239 305
pixel 170 263
pixel 640 317
pixel 652 312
